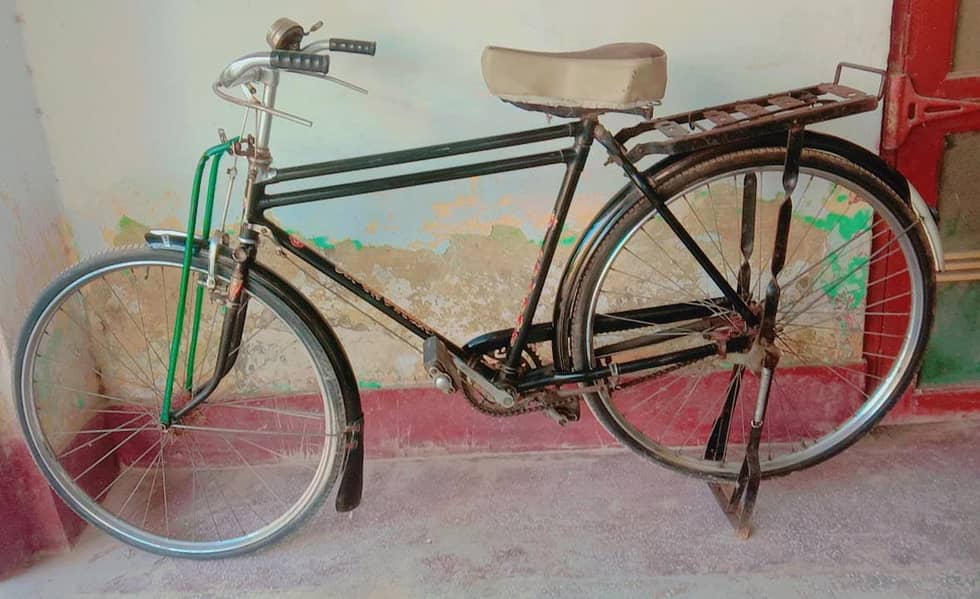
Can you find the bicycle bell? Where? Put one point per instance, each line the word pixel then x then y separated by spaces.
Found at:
pixel 286 34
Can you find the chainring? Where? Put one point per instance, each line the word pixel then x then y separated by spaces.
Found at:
pixel 523 405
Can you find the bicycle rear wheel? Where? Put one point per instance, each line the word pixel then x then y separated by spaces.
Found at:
pixel 856 307
pixel 238 472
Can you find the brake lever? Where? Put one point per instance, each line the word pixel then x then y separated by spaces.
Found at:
pixel 346 84
pixel 257 105
pixel 332 79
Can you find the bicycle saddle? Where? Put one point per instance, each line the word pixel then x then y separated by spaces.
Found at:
pixel 620 77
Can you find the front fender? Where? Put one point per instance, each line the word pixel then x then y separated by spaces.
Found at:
pixel 351 483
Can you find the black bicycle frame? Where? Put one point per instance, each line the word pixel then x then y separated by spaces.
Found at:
pixel 259 200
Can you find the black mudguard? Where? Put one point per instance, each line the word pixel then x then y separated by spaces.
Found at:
pixel 622 201
pixel 352 477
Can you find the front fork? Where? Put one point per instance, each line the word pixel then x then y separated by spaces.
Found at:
pixel 232 326
pixel 237 300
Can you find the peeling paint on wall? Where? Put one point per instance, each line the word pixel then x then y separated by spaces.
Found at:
pixel 459 253
pixel 475 282
pixel 473 285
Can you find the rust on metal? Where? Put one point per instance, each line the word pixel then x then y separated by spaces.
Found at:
pixel 671 129
pixel 735 121
pixel 786 102
pixel 841 91
pixel 751 110
pixel 719 118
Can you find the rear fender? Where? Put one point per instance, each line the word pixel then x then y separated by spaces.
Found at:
pixel 623 200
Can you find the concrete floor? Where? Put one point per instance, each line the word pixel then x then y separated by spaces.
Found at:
pixel 896 516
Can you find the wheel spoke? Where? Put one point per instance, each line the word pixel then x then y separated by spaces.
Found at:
pixel 94 405
pixel 836 284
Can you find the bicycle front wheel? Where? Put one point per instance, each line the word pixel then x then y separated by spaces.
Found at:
pixel 852 324
pixel 236 473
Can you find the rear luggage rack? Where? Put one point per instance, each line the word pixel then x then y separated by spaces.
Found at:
pixel 727 123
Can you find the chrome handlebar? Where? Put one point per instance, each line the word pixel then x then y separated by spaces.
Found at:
pixel 263 67
pixel 246 69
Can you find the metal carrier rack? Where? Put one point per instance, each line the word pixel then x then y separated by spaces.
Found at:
pixel 744 119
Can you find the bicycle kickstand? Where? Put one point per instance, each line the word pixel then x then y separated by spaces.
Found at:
pixel 738 500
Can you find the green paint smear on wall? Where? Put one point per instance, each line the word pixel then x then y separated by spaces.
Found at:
pixel 321 242
pixel 369 384
pixel 951 357
pixel 129 232
pixel 128 224
pixel 855 272
pixel 508 234
pixel 850 281
pixel 847 226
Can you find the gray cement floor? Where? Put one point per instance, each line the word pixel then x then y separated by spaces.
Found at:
pixel 896 516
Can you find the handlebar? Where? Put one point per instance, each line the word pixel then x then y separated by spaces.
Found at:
pixel 288 56
pixel 308 60
pixel 299 61
pixel 353 46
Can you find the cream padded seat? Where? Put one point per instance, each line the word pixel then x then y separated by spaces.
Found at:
pixel 613 77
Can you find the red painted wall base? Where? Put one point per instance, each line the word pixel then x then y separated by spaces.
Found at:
pixel 33 521
pixel 423 421
pixel 399 423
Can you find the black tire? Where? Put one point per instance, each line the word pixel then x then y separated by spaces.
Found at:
pixel 279 297
pixel 676 181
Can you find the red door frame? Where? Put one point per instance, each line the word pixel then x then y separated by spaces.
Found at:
pixel 924 103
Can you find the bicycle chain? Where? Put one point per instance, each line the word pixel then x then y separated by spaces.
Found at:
pixel 480 403
pixel 472 394
pixel 485 406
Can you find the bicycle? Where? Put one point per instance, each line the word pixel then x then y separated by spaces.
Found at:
pixel 747 307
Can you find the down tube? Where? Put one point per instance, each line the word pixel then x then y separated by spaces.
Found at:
pixel 298 248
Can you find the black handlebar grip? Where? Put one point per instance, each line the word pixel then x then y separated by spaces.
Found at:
pixel 353 46
pixel 299 61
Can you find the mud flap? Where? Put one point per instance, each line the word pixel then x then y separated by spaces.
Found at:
pixel 352 478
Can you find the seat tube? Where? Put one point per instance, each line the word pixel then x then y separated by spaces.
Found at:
pixel 518 339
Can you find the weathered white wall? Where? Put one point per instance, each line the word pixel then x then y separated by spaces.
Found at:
pixel 125 86
pixel 32 241
pixel 124 94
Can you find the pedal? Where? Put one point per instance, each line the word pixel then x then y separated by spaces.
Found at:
pixel 439 364
pixel 563 414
